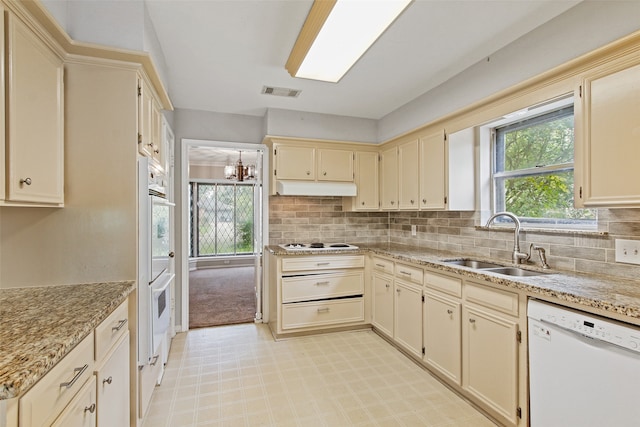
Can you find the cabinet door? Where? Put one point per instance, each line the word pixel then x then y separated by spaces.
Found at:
pixel 156 136
pixel 442 335
pixel 608 141
pixel 490 360
pixel 35 118
pixel 408 175
pixel 81 411
pixel 366 169
pixel 432 171
pixel 389 178
pixel 408 317
pixel 145 119
pixel 335 165
pixel 382 313
pixel 113 386
pixel 295 162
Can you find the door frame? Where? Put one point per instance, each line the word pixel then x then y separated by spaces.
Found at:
pixel 262 307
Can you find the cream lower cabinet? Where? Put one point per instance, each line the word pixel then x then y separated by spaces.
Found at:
pixel 382 316
pixel 408 316
pixel 317 292
pixel 113 386
pixel 81 411
pixel 442 334
pixel 490 341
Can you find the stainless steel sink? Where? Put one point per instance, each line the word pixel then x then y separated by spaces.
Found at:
pixel 514 271
pixel 472 263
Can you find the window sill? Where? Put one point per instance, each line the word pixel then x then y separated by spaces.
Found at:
pixel 565 231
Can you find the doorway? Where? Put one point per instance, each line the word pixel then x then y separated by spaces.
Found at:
pixel 223 223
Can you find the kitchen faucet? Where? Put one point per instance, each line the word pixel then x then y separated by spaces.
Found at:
pixel 516 256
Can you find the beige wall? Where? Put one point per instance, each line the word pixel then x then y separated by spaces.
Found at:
pixel 93 238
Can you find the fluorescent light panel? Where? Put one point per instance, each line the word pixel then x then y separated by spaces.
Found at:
pixel 344 33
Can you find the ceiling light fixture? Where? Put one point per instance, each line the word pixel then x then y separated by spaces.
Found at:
pixel 337 33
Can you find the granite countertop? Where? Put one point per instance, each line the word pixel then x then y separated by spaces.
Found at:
pixel 40 325
pixel 620 297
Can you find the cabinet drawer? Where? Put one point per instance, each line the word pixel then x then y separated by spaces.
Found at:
pixel 382 265
pixel 499 300
pixel 409 273
pixel 40 405
pixel 111 329
pixel 81 412
pixel 320 286
pixel 305 314
pixel 446 284
pixel 322 262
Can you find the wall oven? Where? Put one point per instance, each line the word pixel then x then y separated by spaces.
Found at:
pixel 160 240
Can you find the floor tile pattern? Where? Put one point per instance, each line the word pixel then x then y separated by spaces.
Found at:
pixel 239 376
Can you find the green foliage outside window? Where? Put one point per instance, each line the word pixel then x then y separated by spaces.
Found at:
pixel 534 169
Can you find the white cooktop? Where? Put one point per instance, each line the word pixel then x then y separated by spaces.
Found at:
pixel 293 247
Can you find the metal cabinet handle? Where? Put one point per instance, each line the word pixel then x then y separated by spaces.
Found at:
pixel 107 380
pixel 449 311
pixel 472 320
pixel 172 254
pixel 119 325
pixel 322 263
pixel 91 408
pixel 380 265
pixel 362 203
pixel 323 310
pixel 412 201
pixel 79 372
pixel 398 291
pixel 326 282
pixel 424 200
pixel 405 272
pixel 387 286
pixel 393 202
pixel 26 181
pixel 308 172
pixel 155 360
pixel 324 173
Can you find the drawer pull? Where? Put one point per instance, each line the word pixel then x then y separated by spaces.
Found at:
pixel 323 310
pixel 326 282
pixel 405 272
pixel 107 380
pixel 472 320
pixel 155 360
pixel 449 311
pixel 387 286
pixel 79 372
pixel 120 325
pixel 322 263
pixel 91 408
pixel 26 181
pixel 380 265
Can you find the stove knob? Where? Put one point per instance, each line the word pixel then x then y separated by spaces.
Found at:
pixel 633 345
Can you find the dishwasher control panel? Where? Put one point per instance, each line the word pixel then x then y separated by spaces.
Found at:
pixel 589 325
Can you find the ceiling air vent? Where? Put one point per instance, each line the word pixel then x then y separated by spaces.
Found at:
pixel 281 91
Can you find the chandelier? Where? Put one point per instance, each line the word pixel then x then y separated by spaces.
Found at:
pixel 239 171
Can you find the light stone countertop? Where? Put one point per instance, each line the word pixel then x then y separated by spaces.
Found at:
pixel 619 297
pixel 40 325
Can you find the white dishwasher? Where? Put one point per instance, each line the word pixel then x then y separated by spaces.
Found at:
pixel 584 370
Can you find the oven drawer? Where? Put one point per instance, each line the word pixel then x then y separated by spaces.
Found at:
pixel 322 313
pixel 111 329
pixel 321 286
pixel 322 262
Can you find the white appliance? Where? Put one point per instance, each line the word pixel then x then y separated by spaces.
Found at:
pixel 298 247
pixel 584 370
pixel 154 275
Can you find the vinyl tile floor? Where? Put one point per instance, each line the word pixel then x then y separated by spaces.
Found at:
pixel 239 376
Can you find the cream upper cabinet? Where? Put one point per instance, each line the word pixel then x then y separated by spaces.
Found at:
pixel 335 165
pixel 432 171
pixel 389 178
pixel 607 132
pixel 408 175
pixel 447 171
pixel 150 137
pixel 295 162
pixel 34 118
pixel 490 349
pixel 367 180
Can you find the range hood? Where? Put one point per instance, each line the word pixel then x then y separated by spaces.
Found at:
pixel 315 188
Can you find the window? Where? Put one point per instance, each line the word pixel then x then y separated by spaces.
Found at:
pixel 533 171
pixel 221 219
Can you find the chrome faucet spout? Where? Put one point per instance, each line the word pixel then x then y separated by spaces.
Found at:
pixel 516 256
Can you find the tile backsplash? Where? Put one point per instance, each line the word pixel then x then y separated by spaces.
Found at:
pixel 305 219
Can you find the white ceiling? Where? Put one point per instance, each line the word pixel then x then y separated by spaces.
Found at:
pixel 214 156
pixel 220 53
